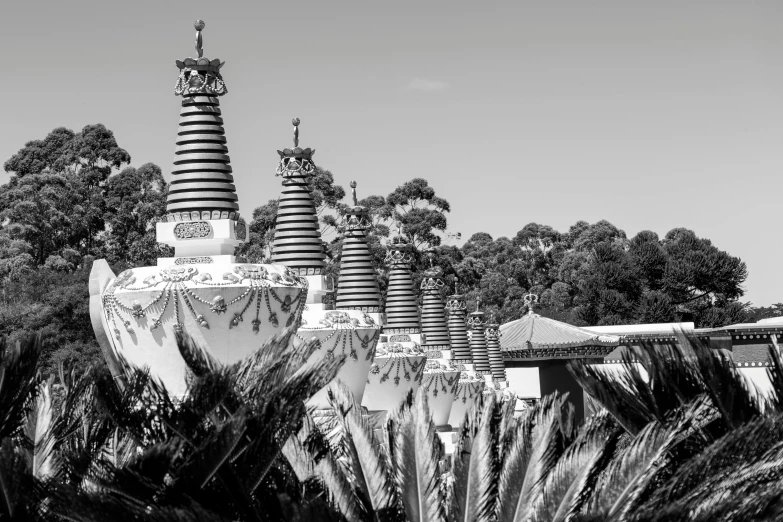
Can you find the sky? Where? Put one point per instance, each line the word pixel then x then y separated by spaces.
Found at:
pixel 651 115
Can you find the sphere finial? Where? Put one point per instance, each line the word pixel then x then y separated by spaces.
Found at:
pixel 295 122
pixel 199 25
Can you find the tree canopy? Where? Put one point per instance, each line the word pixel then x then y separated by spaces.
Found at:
pixel 64 205
pixel 73 197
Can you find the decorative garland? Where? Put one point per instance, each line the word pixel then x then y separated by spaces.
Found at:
pixel 397 362
pixel 468 390
pixel 174 280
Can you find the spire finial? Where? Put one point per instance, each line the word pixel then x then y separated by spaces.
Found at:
pixel 399 228
pixel 456 285
pixel 353 190
pixel 295 123
pixel 530 300
pixel 431 256
pixel 478 302
pixel 199 25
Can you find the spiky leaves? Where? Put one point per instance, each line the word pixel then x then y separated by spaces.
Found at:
pixel 476 464
pixel 539 440
pixel 370 469
pixel 18 366
pixel 416 453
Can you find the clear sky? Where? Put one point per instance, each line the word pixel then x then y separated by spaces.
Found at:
pixel 652 115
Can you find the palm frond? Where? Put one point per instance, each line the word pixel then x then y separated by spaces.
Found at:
pixel 19 365
pixel 310 456
pixel 538 443
pixel 719 478
pixel 369 462
pixel 416 451
pixel 651 454
pixel 625 395
pixel 735 398
pixel 571 480
pixel 198 360
pixel 39 434
pixel 476 464
pixel 775 374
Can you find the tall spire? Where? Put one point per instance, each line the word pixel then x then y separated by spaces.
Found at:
pixel 433 314
pixel 202 185
pixel 478 342
pixel 492 334
pixel 357 288
pixel 458 333
pixel 402 311
pixel 297 242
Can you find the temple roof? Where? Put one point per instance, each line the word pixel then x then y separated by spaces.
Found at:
pixel 535 332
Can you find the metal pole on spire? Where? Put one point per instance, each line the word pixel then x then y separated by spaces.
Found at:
pixel 353 190
pixel 199 25
pixel 296 123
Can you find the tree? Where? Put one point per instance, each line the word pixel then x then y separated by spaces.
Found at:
pixel 594 275
pixel 135 201
pixel 420 212
pixel 61 206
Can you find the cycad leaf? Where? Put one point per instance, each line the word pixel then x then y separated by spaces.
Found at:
pixel 620 487
pixel 476 466
pixel 570 481
pixel 314 460
pixel 18 366
pixel 748 458
pixel 416 451
pixel 38 430
pixel 368 460
pixel 538 444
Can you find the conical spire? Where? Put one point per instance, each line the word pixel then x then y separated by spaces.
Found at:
pixel 202 186
pixel 297 242
pixel 357 288
pixel 433 313
pixel 478 342
pixel 458 333
pixel 492 334
pixel 402 311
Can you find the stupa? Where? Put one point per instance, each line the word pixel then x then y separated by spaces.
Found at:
pixel 349 332
pixel 399 361
pixel 471 384
pixel 478 343
pixel 458 333
pixel 227 307
pixel 498 369
pixel 441 376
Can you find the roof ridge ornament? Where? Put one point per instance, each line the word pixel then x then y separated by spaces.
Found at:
pixel 530 300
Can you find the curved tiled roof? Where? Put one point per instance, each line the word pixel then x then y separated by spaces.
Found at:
pixel 535 332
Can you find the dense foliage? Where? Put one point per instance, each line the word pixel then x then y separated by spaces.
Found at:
pixel 689 441
pixel 67 203
pixel 73 198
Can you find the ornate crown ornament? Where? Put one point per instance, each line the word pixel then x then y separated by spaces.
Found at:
pixel 296 161
pixel 399 250
pixel 432 279
pixel 356 217
pixel 201 76
pixel 456 303
pixel 492 332
pixel 530 300
pixel 476 320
